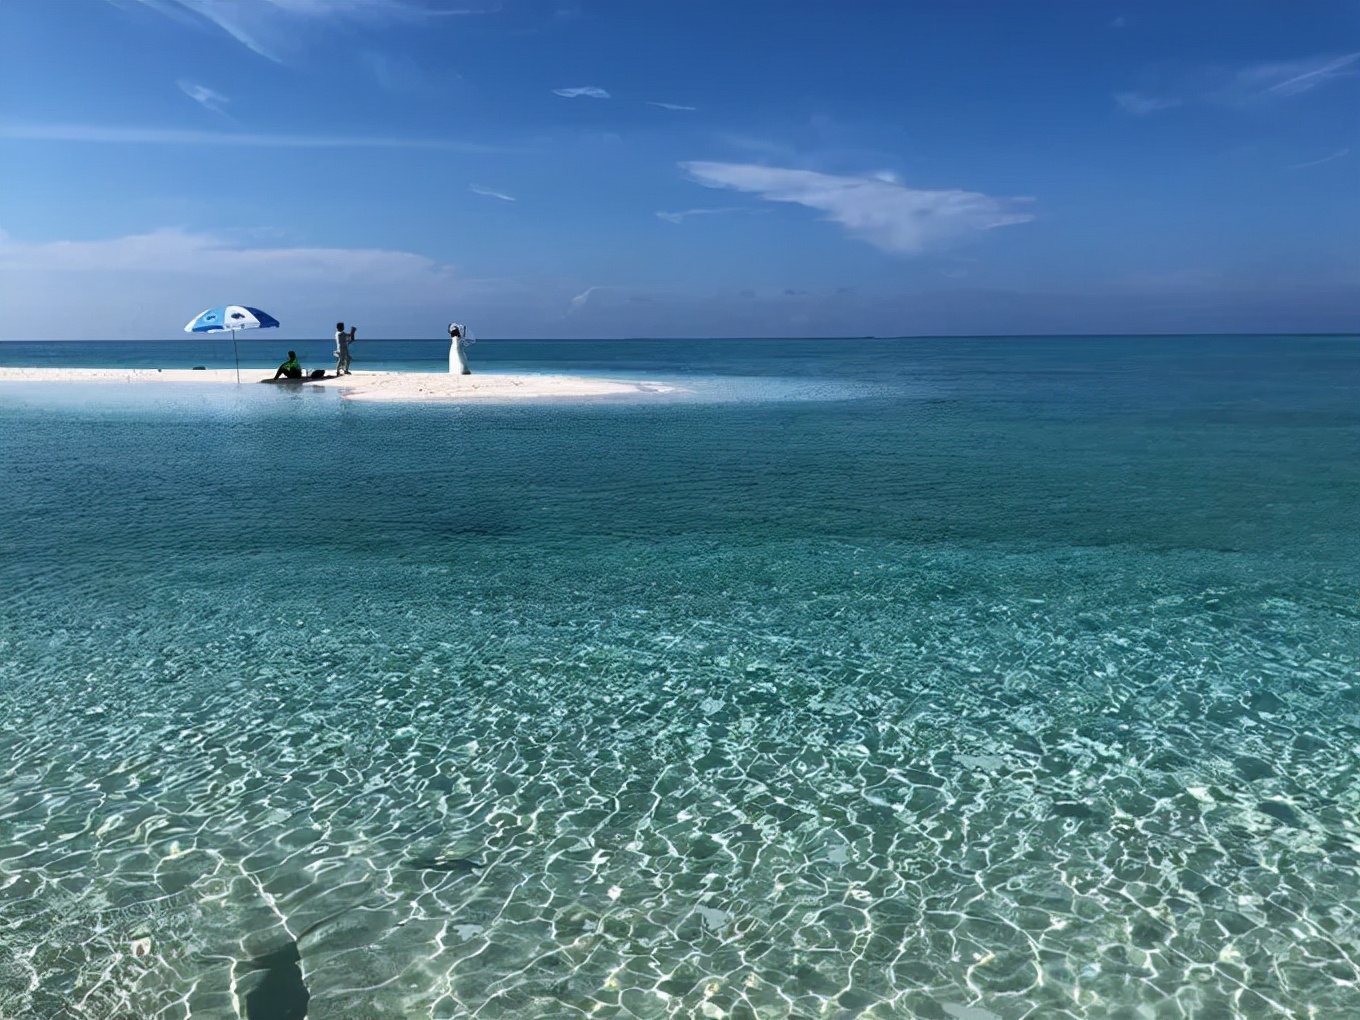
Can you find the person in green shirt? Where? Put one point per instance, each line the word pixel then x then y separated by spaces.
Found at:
pixel 290 369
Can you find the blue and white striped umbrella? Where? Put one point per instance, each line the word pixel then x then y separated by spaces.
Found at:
pixel 230 317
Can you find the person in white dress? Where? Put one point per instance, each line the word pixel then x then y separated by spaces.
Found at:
pixel 458 350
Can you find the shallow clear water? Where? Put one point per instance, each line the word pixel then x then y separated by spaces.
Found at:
pixel 939 679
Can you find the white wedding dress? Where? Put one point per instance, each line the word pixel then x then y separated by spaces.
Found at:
pixel 457 354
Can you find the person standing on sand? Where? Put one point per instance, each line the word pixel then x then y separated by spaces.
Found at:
pixel 457 351
pixel 342 342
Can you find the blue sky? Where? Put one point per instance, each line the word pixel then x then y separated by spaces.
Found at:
pixel 655 168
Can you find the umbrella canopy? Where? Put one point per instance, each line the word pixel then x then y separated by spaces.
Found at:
pixel 230 317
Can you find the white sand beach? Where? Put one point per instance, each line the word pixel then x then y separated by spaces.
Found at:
pixel 414 387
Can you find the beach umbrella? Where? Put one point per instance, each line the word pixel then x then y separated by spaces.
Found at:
pixel 231 317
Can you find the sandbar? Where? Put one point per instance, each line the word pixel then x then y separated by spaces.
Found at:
pixel 396 387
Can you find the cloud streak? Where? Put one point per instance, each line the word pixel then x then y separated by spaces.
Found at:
pixel 1325 159
pixel 1305 75
pixel 1140 105
pixel 1243 87
pixel 478 190
pixel 671 106
pixel 141 282
pixel 171 251
pixel 203 95
pixel 586 91
pixel 270 28
pixel 99 134
pixel 876 209
pixel 680 217
pixel 579 301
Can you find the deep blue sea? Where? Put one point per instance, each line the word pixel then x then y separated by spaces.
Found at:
pixel 949 679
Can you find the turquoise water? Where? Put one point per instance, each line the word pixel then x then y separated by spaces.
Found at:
pixel 941 679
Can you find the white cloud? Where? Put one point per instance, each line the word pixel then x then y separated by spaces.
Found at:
pixel 1299 76
pixel 1325 159
pixel 271 28
pixel 137 286
pixel 397 72
pixel 579 301
pixel 477 190
pixel 671 106
pixel 1240 87
pixel 178 251
pixel 680 217
pixel 243 22
pixel 876 209
pixel 225 140
pixel 1139 104
pixel 589 91
pixel 203 95
pixel 607 300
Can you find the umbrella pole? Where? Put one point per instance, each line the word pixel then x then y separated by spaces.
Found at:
pixel 236 356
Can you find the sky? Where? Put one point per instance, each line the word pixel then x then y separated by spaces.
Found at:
pixel 640 168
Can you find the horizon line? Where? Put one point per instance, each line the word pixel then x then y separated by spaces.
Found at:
pixel 665 339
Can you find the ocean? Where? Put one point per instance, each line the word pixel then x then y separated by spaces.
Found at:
pixel 951 679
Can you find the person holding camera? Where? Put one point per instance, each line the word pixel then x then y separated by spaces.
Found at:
pixel 342 342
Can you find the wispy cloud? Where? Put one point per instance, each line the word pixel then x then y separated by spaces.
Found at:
pixel 396 72
pixel 172 250
pixel 1292 79
pixel 877 209
pixel 97 134
pixel 671 106
pixel 579 301
pixel 271 28
pixel 1240 87
pixel 680 217
pixel 204 14
pixel 1325 159
pixel 203 95
pixel 1141 105
pixel 589 91
pixel 143 283
pixel 478 190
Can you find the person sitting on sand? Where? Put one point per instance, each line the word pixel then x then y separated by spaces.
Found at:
pixel 290 369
